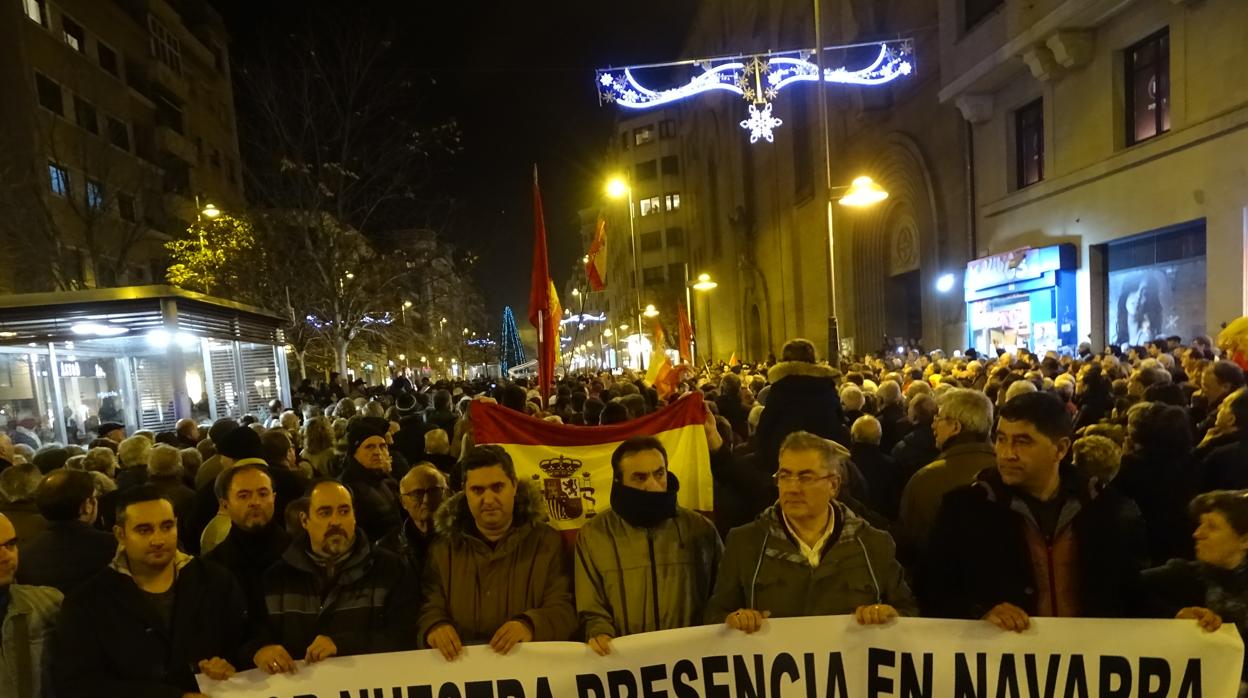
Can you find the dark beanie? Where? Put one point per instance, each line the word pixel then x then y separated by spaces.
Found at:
pixel 220 428
pixel 361 428
pixel 106 427
pixel 406 404
pixel 240 443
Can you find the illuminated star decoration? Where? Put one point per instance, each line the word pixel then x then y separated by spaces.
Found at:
pixel 757 79
pixel 761 123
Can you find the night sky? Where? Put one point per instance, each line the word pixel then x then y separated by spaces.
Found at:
pixel 519 81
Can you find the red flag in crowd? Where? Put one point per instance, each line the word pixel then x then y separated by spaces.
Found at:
pixel 544 311
pixel 686 337
pixel 596 266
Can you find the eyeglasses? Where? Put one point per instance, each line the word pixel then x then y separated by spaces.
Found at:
pixel 803 479
pixel 424 493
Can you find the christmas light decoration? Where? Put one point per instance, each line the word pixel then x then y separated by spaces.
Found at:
pixel 511 351
pixel 757 78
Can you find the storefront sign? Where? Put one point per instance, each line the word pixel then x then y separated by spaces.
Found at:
pixel 824 656
pixel 1017 265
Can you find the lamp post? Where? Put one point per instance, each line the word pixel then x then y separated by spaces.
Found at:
pixel 703 284
pixel 619 188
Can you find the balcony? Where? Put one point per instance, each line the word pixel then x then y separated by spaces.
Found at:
pixel 164 77
pixel 175 144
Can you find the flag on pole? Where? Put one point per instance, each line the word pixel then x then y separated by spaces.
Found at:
pixel 544 311
pixel 686 337
pixel 661 374
pixel 571 465
pixel 596 266
pixel 734 361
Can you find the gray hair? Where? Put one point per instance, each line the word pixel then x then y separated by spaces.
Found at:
pixel 831 453
pixel 100 459
pixel 866 430
pixel 1018 388
pixel 852 397
pixel 19 482
pixel 917 388
pixel 134 451
pixel 103 483
pixel 164 461
pixel 889 393
pixel 969 408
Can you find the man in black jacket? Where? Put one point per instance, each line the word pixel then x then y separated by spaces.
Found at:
pixel 334 594
pixel 367 473
pixel 1032 538
pixel 421 491
pixel 145 625
pixel 255 541
pixel 70 550
pixel 802 397
pixel 410 441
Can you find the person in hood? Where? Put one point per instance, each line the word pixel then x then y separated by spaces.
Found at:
pixel 809 555
pixel 802 397
pixel 646 564
pixel 367 473
pixel 154 618
pixel 333 593
pixel 497 573
pixel 1032 537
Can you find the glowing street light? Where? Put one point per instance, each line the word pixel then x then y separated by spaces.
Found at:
pixel 704 283
pixel 607 332
pixel 863 191
pixel 407 304
pixel 576 291
pixel 651 311
pixel 402 357
pixel 211 211
pixel 349 275
pixel 617 188
pixel 945 282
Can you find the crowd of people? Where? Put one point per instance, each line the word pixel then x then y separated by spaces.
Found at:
pixel 368 520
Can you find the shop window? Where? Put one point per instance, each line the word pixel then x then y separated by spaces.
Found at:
pixel 1029 144
pixel 651 241
pixel 1156 286
pixel 1148 87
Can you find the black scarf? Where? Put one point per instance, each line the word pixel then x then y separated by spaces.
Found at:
pixel 645 509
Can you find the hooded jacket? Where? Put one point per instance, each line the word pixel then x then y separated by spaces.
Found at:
pixel 634 580
pixel 803 397
pixel 112 642
pixel 763 569
pixel 986 549
pixel 26 640
pixel 477 587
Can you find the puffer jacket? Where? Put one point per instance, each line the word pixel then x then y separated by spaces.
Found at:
pixel 803 397
pixel 477 587
pixel 26 641
pixel 634 580
pixel 763 569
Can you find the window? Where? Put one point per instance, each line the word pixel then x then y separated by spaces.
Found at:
pixel 1029 144
pixel 976 11
pixel 651 241
pixel 49 94
pixel 647 170
pixel 672 202
pixel 168 115
pixel 95 195
pixel 651 276
pixel 649 205
pixel 86 116
pixel 37 11
pixel 675 237
pixel 1148 87
pixel 125 208
pixel 667 129
pixel 675 272
pixel 59 177
pixel 108 59
pixel 670 165
pixel 164 46
pixel 643 135
pixel 118 133
pixel 73 34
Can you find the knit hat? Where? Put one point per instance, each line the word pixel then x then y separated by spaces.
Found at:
pixel 220 428
pixel 240 443
pixel 361 428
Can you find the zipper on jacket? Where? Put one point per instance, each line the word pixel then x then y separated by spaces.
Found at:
pixel 654 577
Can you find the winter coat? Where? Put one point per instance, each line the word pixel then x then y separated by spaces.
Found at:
pixel 1224 463
pixel 633 580
pixel 369 606
pixel 26 638
pixel 1180 584
pixel 763 569
pixel 986 548
pixel 880 476
pixel 410 545
pixel 26 519
pixel 894 425
pixel 66 555
pixel 1162 484
pixel 915 450
pixel 803 397
pixel 247 556
pixel 377 508
pixel 111 641
pixel 921 498
pixel 477 587
pixel 410 439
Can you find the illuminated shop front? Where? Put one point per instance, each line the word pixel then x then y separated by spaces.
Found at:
pixel 144 356
pixel 1023 299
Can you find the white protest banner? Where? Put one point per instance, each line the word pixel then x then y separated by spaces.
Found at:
pixel 803 657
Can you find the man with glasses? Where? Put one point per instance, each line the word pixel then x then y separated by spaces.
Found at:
pixel 421 492
pixel 961 428
pixel 71 549
pixel 809 555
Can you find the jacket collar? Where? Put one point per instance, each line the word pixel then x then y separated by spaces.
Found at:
pixel 1080 490
pixel 784 369
pixel 780 544
pixel 453 519
pixel 121 563
pixel 958 449
pixel 299 556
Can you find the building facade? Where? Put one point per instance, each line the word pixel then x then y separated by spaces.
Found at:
pixel 118 129
pixel 1116 129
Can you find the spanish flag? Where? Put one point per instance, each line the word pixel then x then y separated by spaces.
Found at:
pixel 596 265
pixel 544 311
pixel 571 465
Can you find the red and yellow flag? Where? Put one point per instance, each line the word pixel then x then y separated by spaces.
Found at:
pixel 571 465
pixel 596 265
pixel 686 337
pixel 544 311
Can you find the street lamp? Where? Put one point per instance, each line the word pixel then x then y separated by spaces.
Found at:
pixel 211 211
pixel 651 311
pixel 704 283
pixel 863 192
pixel 618 188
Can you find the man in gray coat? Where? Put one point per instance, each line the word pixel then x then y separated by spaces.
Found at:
pixel 29 616
pixel 808 555
pixel 646 564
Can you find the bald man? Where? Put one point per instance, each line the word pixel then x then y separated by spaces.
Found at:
pixel 28 615
pixel 421 492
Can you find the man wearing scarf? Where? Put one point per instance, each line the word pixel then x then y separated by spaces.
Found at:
pixel 646 564
pixel 256 539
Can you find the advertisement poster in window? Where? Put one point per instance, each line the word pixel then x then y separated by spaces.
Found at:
pixel 1156 301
